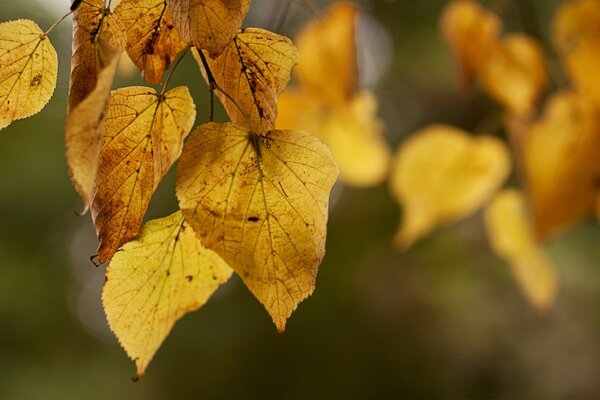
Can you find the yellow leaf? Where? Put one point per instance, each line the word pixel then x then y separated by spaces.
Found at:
pixel 577 38
pixel 152 41
pixel 515 74
pixel 85 124
pixel 353 133
pixel 28 70
pixel 253 70
pixel 560 155
pixel 155 280
pixel 470 32
pixel 261 203
pixel 329 66
pixel 90 20
pixel 208 24
pixel 512 239
pixel 144 136
pixel 442 174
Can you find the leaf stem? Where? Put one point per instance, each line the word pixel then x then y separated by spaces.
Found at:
pixel 173 68
pixel 54 25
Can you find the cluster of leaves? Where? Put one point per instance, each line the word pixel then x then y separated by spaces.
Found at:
pixel 253 199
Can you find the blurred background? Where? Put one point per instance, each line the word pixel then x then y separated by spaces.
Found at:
pixel 443 320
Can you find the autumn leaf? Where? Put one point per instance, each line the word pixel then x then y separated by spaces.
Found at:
pixel 515 74
pixel 442 174
pixel 156 279
pixel 144 136
pixel 253 70
pixel 577 38
pixel 152 41
pixel 28 70
pixel 85 124
pixel 208 24
pixel 560 156
pixel 470 32
pixel 260 202
pixel 90 20
pixel 329 67
pixel 512 239
pixel 354 133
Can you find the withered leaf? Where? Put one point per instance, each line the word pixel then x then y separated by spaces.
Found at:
pixel 28 70
pixel 155 280
pixel 254 69
pixel 152 41
pixel 144 136
pixel 261 203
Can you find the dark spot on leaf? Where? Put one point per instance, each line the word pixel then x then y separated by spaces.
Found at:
pixel 189 278
pixel 253 219
pixel 36 80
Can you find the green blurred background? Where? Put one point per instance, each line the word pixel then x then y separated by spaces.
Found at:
pixel 441 321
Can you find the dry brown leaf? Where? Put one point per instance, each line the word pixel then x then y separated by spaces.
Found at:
pixel 512 239
pixel 208 24
pixel 470 32
pixel 144 136
pixel 329 67
pixel 442 174
pixel 85 124
pixel 261 203
pixel 155 280
pixel 91 19
pixel 576 31
pixel 253 70
pixel 561 163
pixel 152 41
pixel 515 74
pixel 28 70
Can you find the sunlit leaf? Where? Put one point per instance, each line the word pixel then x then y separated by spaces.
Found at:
pixel 470 31
pixel 353 133
pixel 261 203
pixel 576 31
pixel 144 136
pixel 329 67
pixel 90 20
pixel 155 280
pixel 208 24
pixel 253 70
pixel 85 124
pixel 442 174
pixel 28 70
pixel 152 41
pixel 514 73
pixel 561 163
pixel 511 237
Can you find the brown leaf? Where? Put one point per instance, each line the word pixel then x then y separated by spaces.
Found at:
pixel 144 136
pixel 208 24
pixel 261 203
pixel 253 70
pixel 152 41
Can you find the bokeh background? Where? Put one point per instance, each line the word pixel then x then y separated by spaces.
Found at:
pixel 443 320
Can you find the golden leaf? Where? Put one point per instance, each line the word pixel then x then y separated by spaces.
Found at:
pixel 90 20
pixel 208 24
pixel 329 67
pixel 85 123
pixel 253 70
pixel 353 133
pixel 442 174
pixel 576 31
pixel 261 203
pixel 514 73
pixel 470 32
pixel 155 280
pixel 560 156
pixel 152 41
pixel 28 70
pixel 144 136
pixel 512 239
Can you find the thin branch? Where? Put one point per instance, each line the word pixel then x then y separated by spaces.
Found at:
pixel 58 22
